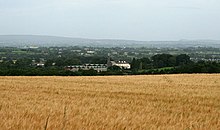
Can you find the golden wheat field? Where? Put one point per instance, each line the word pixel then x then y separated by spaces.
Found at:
pixel 180 102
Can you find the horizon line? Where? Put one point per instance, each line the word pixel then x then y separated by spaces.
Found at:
pixel 120 39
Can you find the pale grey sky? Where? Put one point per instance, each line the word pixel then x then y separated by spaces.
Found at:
pixel 117 19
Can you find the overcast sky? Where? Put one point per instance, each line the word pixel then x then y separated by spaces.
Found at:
pixel 113 19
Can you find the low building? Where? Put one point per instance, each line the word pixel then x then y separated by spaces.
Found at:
pixel 97 67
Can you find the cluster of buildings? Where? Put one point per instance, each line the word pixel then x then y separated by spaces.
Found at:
pixel 99 67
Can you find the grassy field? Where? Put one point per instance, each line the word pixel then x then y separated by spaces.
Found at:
pixel 183 102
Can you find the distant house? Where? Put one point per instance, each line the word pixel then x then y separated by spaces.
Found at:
pixel 40 64
pixel 97 67
pixel 121 64
pixel 90 52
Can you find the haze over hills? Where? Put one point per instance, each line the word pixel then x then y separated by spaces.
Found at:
pixel 39 40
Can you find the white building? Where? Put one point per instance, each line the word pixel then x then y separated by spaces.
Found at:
pixel 121 64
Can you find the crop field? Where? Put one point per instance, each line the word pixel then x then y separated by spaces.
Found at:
pixel 183 102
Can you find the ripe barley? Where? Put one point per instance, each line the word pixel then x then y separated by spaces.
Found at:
pixel 113 102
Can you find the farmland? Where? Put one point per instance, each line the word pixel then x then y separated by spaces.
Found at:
pixel 190 101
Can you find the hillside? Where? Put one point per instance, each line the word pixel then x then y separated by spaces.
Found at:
pixel 37 40
pixel 115 102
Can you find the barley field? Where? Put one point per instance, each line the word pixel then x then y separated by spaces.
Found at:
pixel 173 102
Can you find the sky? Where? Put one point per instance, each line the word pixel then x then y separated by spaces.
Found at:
pixel 147 20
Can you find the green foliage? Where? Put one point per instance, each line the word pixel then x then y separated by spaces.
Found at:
pixel 160 61
pixel 163 60
pixel 199 67
pixel 182 59
pixel 114 68
pixel 158 64
pixel 143 63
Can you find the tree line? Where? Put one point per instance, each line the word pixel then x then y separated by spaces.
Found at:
pixel 157 64
pixel 172 64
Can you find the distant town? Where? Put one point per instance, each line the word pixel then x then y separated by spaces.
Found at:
pixel 100 60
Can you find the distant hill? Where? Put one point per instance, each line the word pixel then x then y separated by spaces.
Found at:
pixel 37 40
pixel 27 40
